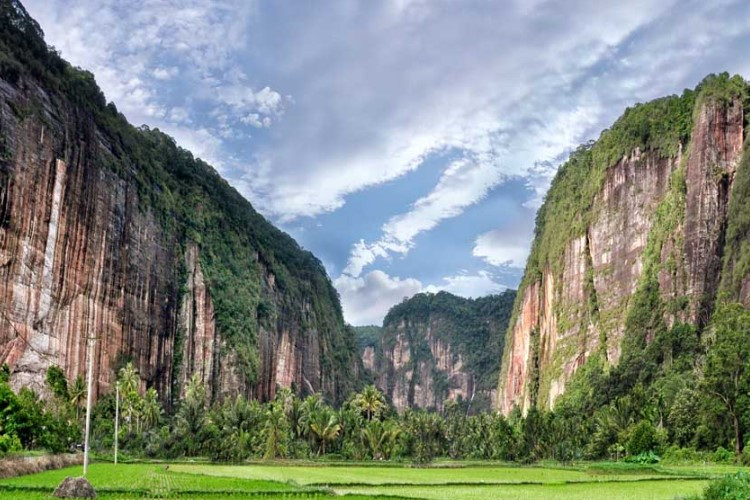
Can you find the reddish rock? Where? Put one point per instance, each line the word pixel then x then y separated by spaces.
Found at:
pixel 612 251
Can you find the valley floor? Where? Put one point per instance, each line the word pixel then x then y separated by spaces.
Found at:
pixel 320 481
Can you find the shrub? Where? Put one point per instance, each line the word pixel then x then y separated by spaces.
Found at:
pixel 735 487
pixel 675 455
pixel 648 457
pixel 643 437
pixel 9 443
pixel 722 456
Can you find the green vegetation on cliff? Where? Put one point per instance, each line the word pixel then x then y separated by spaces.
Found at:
pixel 737 247
pixel 661 127
pixel 469 328
pixel 676 384
pixel 194 205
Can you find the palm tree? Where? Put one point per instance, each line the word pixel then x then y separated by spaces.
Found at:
pixel 370 402
pixel 129 379
pixel 191 420
pixel 313 404
pixel 379 437
pixel 151 408
pixel 285 397
pixel 275 430
pixel 78 394
pixel 325 427
pixel 129 382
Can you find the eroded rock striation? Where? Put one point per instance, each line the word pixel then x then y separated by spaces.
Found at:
pixel 113 232
pixel 632 237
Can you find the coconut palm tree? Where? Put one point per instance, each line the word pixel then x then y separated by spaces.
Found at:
pixel 151 408
pixel 325 427
pixel 370 402
pixel 275 431
pixel 310 406
pixel 129 379
pixel 78 394
pixel 191 419
pixel 379 437
pixel 129 382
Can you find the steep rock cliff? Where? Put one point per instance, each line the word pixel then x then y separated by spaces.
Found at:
pixel 438 347
pixel 115 233
pixel 631 239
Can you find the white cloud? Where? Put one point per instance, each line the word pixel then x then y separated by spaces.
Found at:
pixel 126 45
pixel 251 107
pixel 501 247
pixel 257 121
pixel 366 299
pixel 161 73
pixel 467 181
pixel 468 285
pixel 406 87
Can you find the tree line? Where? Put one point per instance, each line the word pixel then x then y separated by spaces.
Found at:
pixel 691 405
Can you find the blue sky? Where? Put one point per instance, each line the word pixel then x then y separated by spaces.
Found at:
pixel 407 143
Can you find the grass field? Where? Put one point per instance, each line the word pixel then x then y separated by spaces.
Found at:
pixel 307 481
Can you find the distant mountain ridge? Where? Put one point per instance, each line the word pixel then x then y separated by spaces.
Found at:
pixel 437 347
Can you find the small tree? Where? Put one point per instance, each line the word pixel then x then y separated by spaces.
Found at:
pixel 325 427
pixel 727 372
pixel 57 383
pixel 370 402
pixel 77 394
pixel 275 430
pixel 642 438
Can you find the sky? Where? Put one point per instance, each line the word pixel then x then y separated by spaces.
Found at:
pixel 406 143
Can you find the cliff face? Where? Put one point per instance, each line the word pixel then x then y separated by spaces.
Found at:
pixel 115 233
pixel 434 348
pixel 644 247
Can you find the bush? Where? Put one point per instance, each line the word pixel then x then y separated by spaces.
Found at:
pixel 722 456
pixel 642 438
pixel 9 443
pixel 648 457
pixel 676 455
pixel 735 487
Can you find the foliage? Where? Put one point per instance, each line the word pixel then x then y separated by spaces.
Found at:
pixel 370 402
pixel 27 422
pixel 367 336
pixel 647 457
pixel 737 239
pixel 240 251
pixel 468 326
pixel 642 439
pixel 734 487
pixel 726 374
pixel 56 382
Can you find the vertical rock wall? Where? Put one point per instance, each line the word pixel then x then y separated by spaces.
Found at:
pixel 555 330
pixel 84 254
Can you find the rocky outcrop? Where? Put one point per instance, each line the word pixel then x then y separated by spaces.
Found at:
pixel 114 234
pixel 656 220
pixel 434 348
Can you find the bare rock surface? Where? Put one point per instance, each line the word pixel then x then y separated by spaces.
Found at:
pixel 75 487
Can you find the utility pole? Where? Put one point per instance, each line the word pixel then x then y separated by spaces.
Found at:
pixel 117 415
pixel 89 398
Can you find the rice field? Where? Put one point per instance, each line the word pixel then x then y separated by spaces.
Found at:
pixel 312 481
